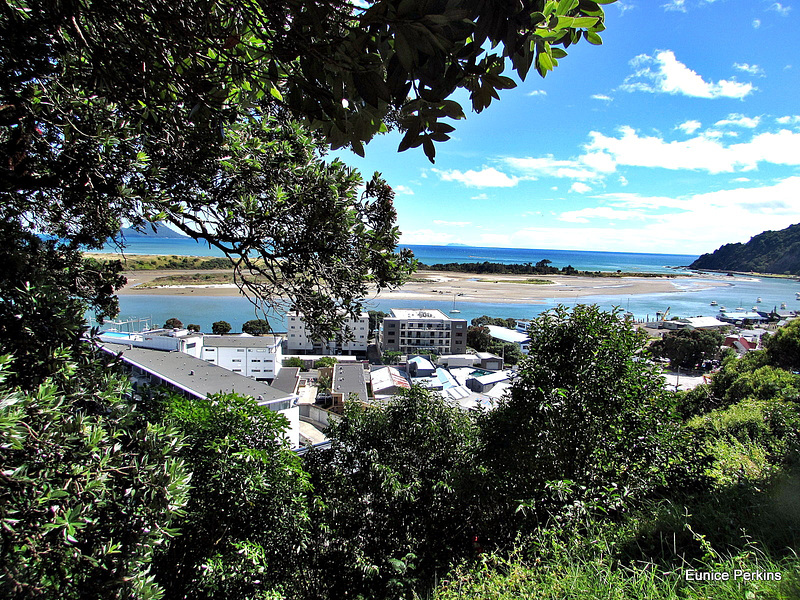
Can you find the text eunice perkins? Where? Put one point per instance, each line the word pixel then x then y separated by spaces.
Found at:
pixel 736 575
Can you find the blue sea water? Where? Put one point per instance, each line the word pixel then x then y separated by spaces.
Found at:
pixel 692 297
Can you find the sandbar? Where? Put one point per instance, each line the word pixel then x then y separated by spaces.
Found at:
pixel 463 287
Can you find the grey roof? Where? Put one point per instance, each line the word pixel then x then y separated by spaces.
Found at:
pixel 193 375
pixel 235 341
pixel 350 379
pixel 287 380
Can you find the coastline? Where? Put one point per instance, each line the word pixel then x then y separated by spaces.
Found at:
pixel 455 286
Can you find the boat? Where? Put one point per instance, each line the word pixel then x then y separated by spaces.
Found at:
pixel 454 309
pixel 722 309
pixel 783 305
pixel 758 299
pixel 713 303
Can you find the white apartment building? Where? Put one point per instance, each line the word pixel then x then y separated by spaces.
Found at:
pixel 419 331
pixel 259 357
pixel 355 337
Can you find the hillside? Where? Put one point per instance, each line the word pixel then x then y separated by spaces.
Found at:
pixel 768 252
pixel 161 232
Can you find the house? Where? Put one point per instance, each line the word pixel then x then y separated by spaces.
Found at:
pixel 348 381
pixel 388 381
pixel 418 331
pixel 196 378
pixel 354 337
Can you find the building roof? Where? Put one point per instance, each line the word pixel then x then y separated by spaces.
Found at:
pixel 752 316
pixel 492 378
pixel 506 334
pixel 701 322
pixel 422 363
pixel 388 377
pixel 487 355
pixel 239 341
pixel 193 375
pixel 287 380
pixel 419 313
pixel 349 379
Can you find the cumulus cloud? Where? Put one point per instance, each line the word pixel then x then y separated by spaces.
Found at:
pixel 738 120
pixel 486 177
pixel 702 153
pixel 580 187
pixel 664 73
pixel 749 69
pixel 689 126
pixel 789 120
pixel 403 190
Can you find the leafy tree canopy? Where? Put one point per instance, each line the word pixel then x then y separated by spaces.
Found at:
pixel 173 323
pixel 256 327
pixel 220 327
pixel 688 347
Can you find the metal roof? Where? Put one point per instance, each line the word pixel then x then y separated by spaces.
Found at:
pixel 193 375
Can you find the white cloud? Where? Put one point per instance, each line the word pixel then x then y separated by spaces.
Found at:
pixel 689 126
pixel 749 69
pixel 580 187
pixel 403 190
pixel 548 166
pixel 600 212
pixel 486 177
pixel 738 120
pixel 664 73
pixel 756 23
pixel 701 153
pixel 781 9
pixel 537 93
pixel 675 5
pixel 480 197
pixel 667 225
pixel 452 223
pixel 623 181
pixel 742 179
pixel 602 97
pixel 789 120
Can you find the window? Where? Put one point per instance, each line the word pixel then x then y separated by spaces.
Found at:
pixel 192 345
pixel 255 370
pixel 237 370
pixel 240 350
pixel 236 360
pixel 255 360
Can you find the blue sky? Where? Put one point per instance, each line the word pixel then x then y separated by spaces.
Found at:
pixel 677 135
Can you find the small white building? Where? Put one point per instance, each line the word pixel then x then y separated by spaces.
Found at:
pixel 509 335
pixel 175 340
pixel 354 338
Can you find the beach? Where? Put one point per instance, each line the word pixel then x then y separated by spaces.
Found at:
pixel 461 287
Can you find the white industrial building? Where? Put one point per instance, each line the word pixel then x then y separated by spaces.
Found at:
pixel 509 335
pixel 353 340
pixel 257 357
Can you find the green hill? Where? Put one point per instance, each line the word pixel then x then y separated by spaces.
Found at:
pixel 768 252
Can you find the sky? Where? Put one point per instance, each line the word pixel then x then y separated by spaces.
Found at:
pixel 679 134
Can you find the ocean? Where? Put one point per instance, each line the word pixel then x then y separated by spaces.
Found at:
pixel 690 298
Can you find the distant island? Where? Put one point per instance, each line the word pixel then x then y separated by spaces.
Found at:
pixel 161 232
pixel 776 252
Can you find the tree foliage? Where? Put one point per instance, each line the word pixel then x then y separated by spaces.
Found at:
pixel 220 327
pixel 89 487
pixel 783 347
pixel 256 327
pixel 395 495
pixel 246 515
pixel 688 348
pixel 173 323
pixel 587 422
pixel 767 252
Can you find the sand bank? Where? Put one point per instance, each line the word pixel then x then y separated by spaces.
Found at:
pixel 465 287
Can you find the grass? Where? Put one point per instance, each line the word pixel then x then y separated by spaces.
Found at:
pixel 145 262
pixel 529 281
pixel 603 578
